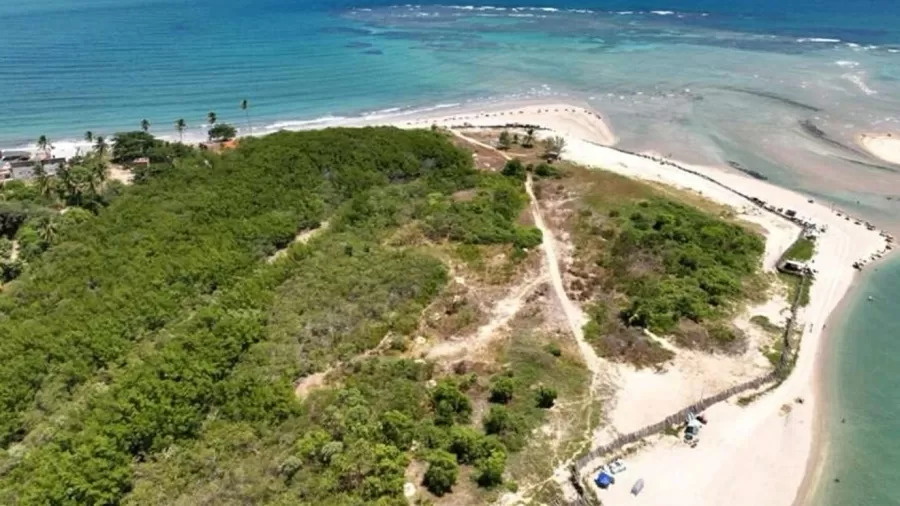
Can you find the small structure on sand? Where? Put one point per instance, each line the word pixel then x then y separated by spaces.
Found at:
pixel 793 267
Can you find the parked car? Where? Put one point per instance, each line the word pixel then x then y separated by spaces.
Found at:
pixel 617 466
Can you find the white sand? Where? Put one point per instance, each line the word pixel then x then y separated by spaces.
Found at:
pixel 747 455
pixel 883 146
pixel 742 448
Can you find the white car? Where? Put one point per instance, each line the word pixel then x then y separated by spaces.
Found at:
pixel 617 466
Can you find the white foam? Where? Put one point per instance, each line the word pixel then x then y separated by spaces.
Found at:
pixel 818 39
pixel 857 79
pixel 847 64
pixel 663 13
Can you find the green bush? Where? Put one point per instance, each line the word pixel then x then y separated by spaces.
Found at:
pixel 545 397
pixel 502 389
pixel 442 472
pixel 553 349
pixel 489 470
pixel 450 404
pixel 544 169
pixel 515 169
pixel 704 262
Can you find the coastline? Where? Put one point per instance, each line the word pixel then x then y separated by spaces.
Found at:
pixel 884 146
pixel 815 467
pixel 778 437
pixel 724 467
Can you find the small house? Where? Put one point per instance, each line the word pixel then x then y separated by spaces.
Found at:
pixel 52 166
pixel 22 170
pixel 140 162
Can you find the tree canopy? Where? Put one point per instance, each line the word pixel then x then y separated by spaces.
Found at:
pixel 157 336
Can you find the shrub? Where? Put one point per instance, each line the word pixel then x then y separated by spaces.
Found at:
pixel 553 349
pixel 442 472
pixel 545 397
pixel 489 470
pixel 222 132
pixel 450 405
pixel 514 168
pixel 397 429
pixel 505 140
pixel 502 390
pixel 544 169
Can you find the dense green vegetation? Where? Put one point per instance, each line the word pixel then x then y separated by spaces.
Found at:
pixel 658 264
pixel 149 351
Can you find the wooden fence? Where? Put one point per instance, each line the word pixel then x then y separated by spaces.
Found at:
pixel 680 416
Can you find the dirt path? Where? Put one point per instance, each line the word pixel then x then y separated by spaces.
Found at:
pixel 302 237
pixel 502 313
pixel 575 318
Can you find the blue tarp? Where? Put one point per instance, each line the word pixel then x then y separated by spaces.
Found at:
pixel 603 480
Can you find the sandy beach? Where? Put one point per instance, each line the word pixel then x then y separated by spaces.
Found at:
pixel 769 441
pixel 748 455
pixel 885 146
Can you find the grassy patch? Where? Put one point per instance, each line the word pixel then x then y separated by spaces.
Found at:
pixel 792 283
pixel 530 366
pixel 654 262
pixel 802 250
pixel 765 324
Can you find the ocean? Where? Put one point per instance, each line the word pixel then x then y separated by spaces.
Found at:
pixel 780 88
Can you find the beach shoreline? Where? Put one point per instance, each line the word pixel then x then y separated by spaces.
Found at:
pixel 724 467
pixel 884 146
pixel 815 467
pixel 794 409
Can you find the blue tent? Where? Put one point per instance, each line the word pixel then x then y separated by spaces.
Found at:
pixel 604 480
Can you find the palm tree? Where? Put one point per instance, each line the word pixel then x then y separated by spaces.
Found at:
pixel 180 125
pixel 44 145
pixel 211 118
pixel 100 146
pixel 528 140
pixel 145 125
pixel 48 231
pixel 244 106
pixel 44 184
pixel 554 147
pixel 89 136
pixel 98 169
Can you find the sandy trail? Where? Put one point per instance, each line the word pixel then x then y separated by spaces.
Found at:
pixel 771 440
pixel 302 238
pixel 575 317
pixel 502 313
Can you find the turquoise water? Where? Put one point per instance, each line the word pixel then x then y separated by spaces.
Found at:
pixel 706 81
pixel 864 391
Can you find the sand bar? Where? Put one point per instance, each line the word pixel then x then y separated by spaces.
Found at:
pixel 885 146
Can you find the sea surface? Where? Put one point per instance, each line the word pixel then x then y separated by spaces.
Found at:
pixel 862 418
pixel 778 87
